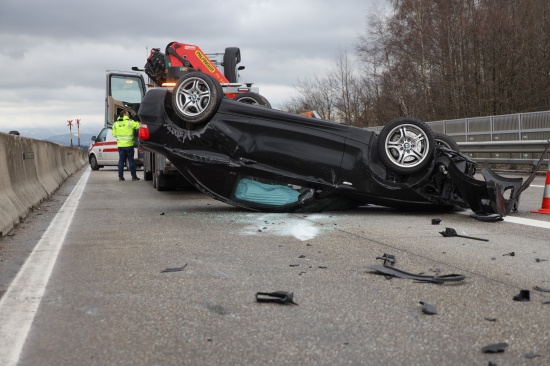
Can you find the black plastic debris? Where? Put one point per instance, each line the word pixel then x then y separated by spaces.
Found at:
pixel 389 259
pixel 524 295
pixel 293 265
pixel 302 256
pixel 491 319
pixel 279 297
pixel 495 348
pixel 436 221
pixel 487 218
pixel 179 269
pixel 428 309
pixel 541 289
pixel 392 271
pixel 162 213
pixel 450 232
pixel 511 254
pixel 538 260
pixel 531 355
pixel 546 302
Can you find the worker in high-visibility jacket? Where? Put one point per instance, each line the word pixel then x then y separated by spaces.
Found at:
pixel 123 130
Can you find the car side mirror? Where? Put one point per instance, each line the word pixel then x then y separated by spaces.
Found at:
pixel 94 138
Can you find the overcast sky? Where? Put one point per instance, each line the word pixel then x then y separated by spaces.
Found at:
pixel 54 53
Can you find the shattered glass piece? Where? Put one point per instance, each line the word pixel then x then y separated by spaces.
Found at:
pixel 428 309
pixel 436 221
pixel 178 269
pixel 541 289
pixel 450 232
pixel 280 297
pixel 511 254
pixel 495 348
pixel 524 295
pixel 531 355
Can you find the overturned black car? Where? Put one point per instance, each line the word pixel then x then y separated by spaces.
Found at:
pixel 268 160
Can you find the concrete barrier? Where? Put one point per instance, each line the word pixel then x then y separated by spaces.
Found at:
pixel 30 171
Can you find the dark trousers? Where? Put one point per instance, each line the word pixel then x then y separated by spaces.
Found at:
pixel 123 154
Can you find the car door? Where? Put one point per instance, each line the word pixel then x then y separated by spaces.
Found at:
pixel 107 151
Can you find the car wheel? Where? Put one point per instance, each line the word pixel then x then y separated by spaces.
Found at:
pixel 252 98
pixel 406 146
pixel 93 163
pixel 196 97
pixel 446 141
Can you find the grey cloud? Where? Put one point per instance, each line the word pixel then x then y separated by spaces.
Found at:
pixel 54 53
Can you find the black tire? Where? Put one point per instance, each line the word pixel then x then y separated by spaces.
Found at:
pixel 160 182
pixel 406 146
pixel 446 141
pixel 93 163
pixel 252 98
pixel 196 97
pixel 147 175
pixel 231 58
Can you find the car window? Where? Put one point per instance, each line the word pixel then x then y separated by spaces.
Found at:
pixel 102 135
pixel 110 135
pixel 127 88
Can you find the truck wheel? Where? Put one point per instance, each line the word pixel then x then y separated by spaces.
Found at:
pixel 160 182
pixel 147 175
pixel 252 98
pixel 196 97
pixel 406 146
pixel 231 58
pixel 93 163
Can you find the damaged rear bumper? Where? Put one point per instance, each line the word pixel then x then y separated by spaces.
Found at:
pixel 496 195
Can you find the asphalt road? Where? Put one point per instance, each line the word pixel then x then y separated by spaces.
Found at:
pixel 110 301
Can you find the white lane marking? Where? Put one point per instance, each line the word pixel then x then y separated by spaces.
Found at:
pixel 529 222
pixel 20 302
pixel 536 186
pixel 518 220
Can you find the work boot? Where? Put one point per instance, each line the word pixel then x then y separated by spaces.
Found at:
pixel 135 178
pixel 121 178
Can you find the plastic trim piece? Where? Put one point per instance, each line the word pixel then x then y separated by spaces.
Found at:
pixel 392 271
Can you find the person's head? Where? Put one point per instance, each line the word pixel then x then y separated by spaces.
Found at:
pixel 124 113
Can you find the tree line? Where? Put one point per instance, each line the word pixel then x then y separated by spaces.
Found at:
pixel 438 59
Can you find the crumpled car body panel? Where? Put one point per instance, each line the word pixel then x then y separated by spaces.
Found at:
pixel 268 160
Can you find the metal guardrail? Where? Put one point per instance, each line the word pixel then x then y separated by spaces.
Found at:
pixel 526 153
pixel 513 139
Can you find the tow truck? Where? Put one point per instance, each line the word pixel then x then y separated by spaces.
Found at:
pixel 164 69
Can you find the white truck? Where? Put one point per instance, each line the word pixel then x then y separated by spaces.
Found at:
pixel 125 90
